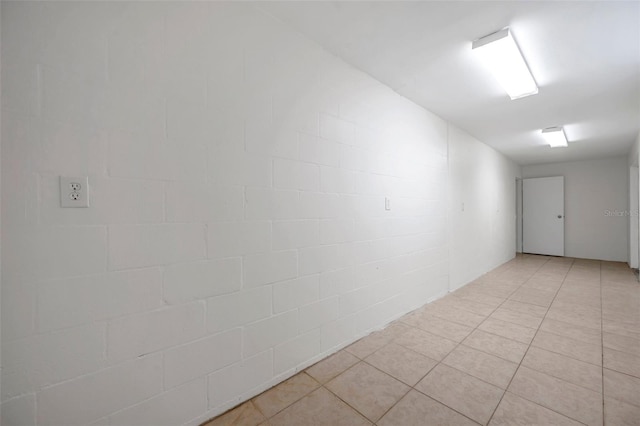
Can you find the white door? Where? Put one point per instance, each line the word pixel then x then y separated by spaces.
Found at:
pixel 543 216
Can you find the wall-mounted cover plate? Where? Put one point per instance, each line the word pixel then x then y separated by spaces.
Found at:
pixel 74 191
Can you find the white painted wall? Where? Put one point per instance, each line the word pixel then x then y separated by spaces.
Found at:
pixel 592 188
pixel 482 208
pixel 237 229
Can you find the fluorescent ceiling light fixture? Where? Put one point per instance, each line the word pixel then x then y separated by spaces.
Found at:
pixel 501 55
pixel 555 137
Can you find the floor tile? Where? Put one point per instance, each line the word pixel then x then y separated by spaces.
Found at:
pixel 470 305
pixel 621 362
pixel 584 277
pixel 562 367
pixel 572 348
pixel 629 287
pixel 573 321
pixel 512 277
pixel 368 345
pixel 489 368
pixel 462 392
pixel 620 329
pixel 509 330
pixel 616 299
pixel 516 411
pixel 579 299
pixel 526 308
pixel 444 328
pixel 414 318
pixel 622 387
pixel 402 363
pixel 618 276
pixel 393 330
pixel 368 390
pixel 627 316
pixel 618 413
pixel 619 313
pixel 578 309
pixel 578 288
pixel 416 409
pixel 519 318
pixel 619 299
pixel 477 296
pixel 579 295
pixel 331 367
pixel 620 295
pixel 430 345
pixel 285 394
pixel 534 296
pixel 621 343
pixel 624 295
pixel 243 415
pixel 574 317
pixel 498 290
pixel 550 286
pixel 496 345
pixel 566 398
pixel 619 310
pixel 319 408
pixel 576 332
pixel 459 316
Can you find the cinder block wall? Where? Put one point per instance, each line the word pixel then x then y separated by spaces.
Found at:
pixel 237 229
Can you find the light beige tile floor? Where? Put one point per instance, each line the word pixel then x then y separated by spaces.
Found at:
pixel 537 341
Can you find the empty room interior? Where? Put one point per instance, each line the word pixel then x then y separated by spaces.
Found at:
pixel 319 213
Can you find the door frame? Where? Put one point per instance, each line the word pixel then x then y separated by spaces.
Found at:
pixel 634 225
pixel 519 215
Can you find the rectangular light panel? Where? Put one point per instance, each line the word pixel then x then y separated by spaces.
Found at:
pixel 555 137
pixel 501 55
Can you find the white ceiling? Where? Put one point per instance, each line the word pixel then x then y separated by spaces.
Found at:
pixel 585 57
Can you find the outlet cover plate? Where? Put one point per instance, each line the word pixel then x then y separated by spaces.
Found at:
pixel 74 191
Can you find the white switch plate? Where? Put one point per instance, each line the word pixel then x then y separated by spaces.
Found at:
pixel 387 203
pixel 74 191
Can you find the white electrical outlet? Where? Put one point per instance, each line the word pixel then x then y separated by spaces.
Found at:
pixel 74 191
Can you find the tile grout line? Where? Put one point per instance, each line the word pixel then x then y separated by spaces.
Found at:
pixel 421 378
pixel 534 402
pixel 458 344
pixel 360 360
pixel 345 402
pixel 461 342
pixel 440 361
pixel 394 336
pixel 531 343
pixel 384 372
